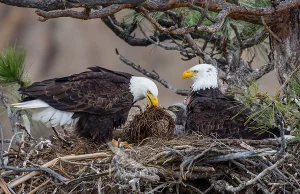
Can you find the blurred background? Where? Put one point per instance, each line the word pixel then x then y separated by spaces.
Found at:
pixel 64 46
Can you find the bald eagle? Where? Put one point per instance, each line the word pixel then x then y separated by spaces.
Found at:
pixel 179 111
pixel 95 101
pixel 210 112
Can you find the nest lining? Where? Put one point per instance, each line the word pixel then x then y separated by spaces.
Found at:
pixel 153 122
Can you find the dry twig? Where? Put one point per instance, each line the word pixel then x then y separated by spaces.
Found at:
pixel 39 187
pixel 26 177
pixel 151 75
pixel 156 162
pixel 2 141
pixel 258 177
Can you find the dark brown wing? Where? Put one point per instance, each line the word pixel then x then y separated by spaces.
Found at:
pixel 214 116
pixel 100 91
pixel 211 113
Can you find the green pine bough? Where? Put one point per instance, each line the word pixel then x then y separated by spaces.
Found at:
pixel 12 67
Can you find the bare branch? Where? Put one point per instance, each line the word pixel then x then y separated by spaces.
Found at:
pixel 4 187
pixel 160 187
pixel 281 152
pixel 166 47
pixel 193 189
pixel 220 18
pixel 45 169
pixel 250 62
pixel 2 141
pixel 235 11
pixel 14 116
pixel 66 4
pixel 133 41
pixel 288 79
pixel 237 34
pixel 130 39
pixel 166 22
pixel 263 70
pixel 203 13
pixel 152 76
pixel 206 57
pixel 269 30
pixel 255 40
pixel 258 177
pixel 247 154
pixel 104 12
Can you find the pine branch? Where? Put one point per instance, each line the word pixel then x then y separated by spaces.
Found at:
pixel 223 8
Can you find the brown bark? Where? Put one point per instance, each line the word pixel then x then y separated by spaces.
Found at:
pixel 281 20
pixel 55 8
pixel 286 53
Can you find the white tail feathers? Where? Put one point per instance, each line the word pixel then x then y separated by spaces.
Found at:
pixel 31 104
pixel 53 117
pixel 50 116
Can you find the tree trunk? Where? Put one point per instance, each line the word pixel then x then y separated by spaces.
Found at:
pixel 286 53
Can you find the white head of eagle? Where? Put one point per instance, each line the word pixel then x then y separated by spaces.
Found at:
pixel 141 88
pixel 204 76
pixel 97 101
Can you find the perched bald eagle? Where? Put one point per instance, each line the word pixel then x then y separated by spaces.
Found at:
pixel 210 112
pixel 96 101
pixel 179 111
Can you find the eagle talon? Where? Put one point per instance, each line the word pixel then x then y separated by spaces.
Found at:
pixel 118 143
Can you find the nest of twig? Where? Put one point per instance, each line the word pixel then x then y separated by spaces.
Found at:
pixel 153 122
pixel 183 165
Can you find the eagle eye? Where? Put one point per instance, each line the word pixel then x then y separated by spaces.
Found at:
pixel 195 71
pixel 149 92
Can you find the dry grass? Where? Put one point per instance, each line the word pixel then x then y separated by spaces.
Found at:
pixel 153 122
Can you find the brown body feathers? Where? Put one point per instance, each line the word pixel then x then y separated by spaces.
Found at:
pixel 100 98
pixel 211 113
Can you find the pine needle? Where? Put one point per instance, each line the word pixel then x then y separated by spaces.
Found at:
pixel 12 66
pixel 265 108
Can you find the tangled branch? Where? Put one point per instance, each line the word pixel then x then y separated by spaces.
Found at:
pixel 173 33
pixel 56 8
pixel 187 165
pixel 153 75
pixel 258 177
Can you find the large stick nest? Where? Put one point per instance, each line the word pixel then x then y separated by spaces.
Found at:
pixel 157 164
pixel 183 165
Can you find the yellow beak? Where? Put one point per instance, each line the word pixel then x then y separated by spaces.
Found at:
pixel 173 109
pixel 188 74
pixel 152 100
